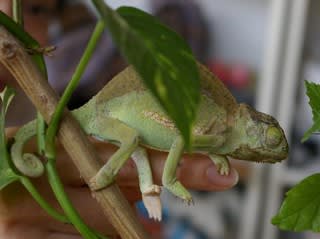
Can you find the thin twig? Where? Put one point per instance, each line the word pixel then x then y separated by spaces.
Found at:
pixel 14 57
pixel 17 11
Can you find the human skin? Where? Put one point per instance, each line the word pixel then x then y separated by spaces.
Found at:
pixel 21 217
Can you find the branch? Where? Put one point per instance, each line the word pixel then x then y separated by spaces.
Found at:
pixel 14 57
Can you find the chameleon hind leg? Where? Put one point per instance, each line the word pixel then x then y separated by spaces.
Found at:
pixel 169 179
pixel 113 130
pixel 150 192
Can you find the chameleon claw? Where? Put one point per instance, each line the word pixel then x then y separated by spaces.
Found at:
pixel 189 201
pixel 153 206
pixel 223 167
pixel 93 184
pixel 222 164
pixel 152 202
pixel 99 182
pixel 223 170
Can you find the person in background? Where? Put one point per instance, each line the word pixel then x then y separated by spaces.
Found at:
pixel 188 20
pixel 104 64
pixel 20 216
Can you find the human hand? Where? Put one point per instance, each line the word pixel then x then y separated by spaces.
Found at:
pixel 21 217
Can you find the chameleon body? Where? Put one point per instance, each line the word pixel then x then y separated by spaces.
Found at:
pixel 124 112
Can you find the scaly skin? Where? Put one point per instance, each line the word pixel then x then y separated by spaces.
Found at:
pixel 125 113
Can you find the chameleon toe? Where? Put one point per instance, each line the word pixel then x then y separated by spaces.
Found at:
pixel 153 205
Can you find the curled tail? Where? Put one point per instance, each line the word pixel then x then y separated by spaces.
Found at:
pixel 28 164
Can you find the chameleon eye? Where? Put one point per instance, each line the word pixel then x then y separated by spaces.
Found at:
pixel 273 136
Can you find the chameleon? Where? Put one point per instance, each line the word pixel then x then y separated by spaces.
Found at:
pixel 125 113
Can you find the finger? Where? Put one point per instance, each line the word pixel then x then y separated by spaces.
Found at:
pixel 20 209
pixel 20 230
pixel 21 215
pixel 195 172
pixel 90 211
pixel 199 172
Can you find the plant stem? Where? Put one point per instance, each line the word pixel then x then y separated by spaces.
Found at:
pixel 41 201
pixel 41 132
pixel 66 204
pixel 17 14
pixel 53 126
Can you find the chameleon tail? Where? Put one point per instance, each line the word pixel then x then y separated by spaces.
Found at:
pixel 28 164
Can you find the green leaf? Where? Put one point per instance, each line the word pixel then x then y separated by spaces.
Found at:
pixel 161 57
pixel 300 210
pixel 313 92
pixel 7 175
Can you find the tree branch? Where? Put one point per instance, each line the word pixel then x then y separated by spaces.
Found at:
pixel 14 57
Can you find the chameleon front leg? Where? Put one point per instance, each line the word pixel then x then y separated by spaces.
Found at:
pixel 221 162
pixel 113 130
pixel 169 179
pixel 207 143
pixel 150 192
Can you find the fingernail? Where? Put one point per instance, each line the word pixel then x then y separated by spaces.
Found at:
pixel 223 181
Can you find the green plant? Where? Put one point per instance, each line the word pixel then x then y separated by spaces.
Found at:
pixel 300 209
pixel 161 57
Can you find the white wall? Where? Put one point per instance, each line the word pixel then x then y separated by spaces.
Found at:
pixel 238 29
pixel 142 4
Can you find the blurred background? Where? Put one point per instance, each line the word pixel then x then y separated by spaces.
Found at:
pixel 263 50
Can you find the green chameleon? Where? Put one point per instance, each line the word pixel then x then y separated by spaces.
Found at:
pixel 125 113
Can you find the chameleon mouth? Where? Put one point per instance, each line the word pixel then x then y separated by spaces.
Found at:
pixel 260 155
pixel 273 157
pixel 269 160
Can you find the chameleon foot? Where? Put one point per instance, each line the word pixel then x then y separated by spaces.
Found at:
pixel 187 202
pixel 222 164
pixel 223 169
pixel 100 181
pixel 180 191
pixel 151 200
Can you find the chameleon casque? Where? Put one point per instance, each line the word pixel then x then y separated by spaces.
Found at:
pixel 125 113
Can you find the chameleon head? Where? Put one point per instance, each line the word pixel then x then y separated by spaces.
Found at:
pixel 262 138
